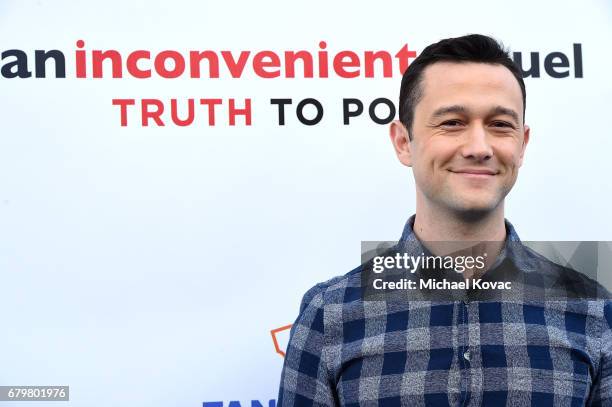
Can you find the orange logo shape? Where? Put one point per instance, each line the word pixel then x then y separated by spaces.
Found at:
pixel 275 340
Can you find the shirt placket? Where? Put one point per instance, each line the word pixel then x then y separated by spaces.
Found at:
pixel 464 352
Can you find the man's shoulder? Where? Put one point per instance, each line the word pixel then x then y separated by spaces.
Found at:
pixel 564 279
pixel 340 289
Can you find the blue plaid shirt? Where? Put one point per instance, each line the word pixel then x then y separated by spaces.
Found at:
pixel 350 352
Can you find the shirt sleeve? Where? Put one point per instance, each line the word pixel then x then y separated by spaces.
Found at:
pixel 601 392
pixel 305 379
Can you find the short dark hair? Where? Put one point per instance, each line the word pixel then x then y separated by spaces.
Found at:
pixel 469 48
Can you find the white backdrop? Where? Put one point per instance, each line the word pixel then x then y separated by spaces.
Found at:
pixel 146 266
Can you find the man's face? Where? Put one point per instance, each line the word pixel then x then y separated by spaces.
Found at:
pixel 468 137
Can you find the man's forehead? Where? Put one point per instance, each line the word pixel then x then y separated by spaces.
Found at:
pixel 441 75
pixel 444 81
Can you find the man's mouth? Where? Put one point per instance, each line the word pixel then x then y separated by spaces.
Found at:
pixel 476 173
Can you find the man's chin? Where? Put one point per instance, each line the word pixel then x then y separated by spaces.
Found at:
pixel 474 211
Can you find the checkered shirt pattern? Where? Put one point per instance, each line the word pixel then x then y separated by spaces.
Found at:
pixel 344 351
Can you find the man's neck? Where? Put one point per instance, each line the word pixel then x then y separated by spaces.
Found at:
pixel 443 233
pixel 436 225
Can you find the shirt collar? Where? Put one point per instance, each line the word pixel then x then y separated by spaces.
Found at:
pixel 513 249
pixel 408 233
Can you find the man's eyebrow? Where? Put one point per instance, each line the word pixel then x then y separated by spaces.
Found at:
pixel 444 110
pixel 504 110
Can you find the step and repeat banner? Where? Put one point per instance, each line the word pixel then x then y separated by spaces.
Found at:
pixel 175 175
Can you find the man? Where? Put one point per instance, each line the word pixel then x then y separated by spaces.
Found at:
pixel 461 129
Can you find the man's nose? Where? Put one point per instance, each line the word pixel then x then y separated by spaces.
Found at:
pixel 477 145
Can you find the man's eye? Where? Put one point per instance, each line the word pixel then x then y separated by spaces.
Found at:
pixel 451 123
pixel 502 124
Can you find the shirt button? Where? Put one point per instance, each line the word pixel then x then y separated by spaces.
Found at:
pixel 466 355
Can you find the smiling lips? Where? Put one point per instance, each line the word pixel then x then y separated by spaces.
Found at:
pixel 475 173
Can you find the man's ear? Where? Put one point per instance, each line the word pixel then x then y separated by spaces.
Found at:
pixel 401 143
pixel 524 146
